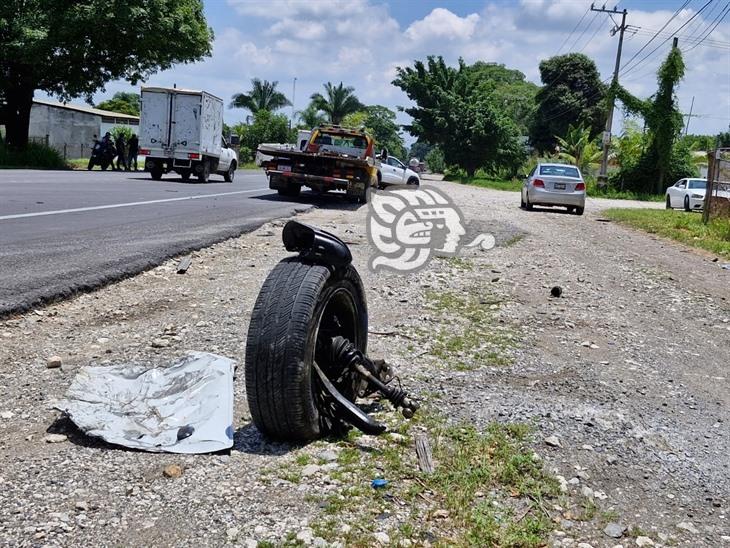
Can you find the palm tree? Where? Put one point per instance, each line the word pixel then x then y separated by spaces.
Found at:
pixel 340 102
pixel 578 148
pixel 263 96
pixel 310 117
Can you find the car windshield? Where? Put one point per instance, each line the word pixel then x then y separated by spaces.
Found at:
pixel 698 184
pixel 560 171
pixel 339 140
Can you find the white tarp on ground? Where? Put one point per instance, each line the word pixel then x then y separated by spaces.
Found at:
pixel 184 408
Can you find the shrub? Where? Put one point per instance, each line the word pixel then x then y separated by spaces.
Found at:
pixel 640 175
pixel 125 131
pixel 435 160
pixel 34 155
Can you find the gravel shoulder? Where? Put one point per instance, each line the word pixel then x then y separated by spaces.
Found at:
pixel 627 372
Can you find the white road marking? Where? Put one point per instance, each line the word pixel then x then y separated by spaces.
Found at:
pixel 129 204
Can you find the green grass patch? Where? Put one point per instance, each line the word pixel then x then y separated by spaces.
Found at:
pixel 685 227
pixel 34 156
pixel 513 185
pixel 471 336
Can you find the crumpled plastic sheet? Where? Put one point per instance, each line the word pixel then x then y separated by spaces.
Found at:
pixel 184 408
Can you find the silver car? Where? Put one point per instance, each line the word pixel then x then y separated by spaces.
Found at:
pixel 555 185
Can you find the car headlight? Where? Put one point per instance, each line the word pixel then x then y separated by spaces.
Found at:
pixel 697 196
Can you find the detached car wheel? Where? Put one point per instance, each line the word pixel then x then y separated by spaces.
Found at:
pixel 300 308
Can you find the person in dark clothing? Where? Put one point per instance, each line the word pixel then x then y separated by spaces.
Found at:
pixel 133 146
pixel 121 157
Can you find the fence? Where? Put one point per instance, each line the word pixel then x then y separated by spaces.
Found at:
pixel 717 195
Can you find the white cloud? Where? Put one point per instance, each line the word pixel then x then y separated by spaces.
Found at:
pixel 442 24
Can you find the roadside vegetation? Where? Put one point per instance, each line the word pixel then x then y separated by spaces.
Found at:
pixel 685 227
pixel 34 155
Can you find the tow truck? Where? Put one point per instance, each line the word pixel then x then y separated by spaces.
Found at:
pixel 334 158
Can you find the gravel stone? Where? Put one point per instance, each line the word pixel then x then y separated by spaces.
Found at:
pixel 54 362
pixel 614 530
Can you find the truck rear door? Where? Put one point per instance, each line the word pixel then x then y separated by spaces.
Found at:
pixel 155 119
pixel 186 123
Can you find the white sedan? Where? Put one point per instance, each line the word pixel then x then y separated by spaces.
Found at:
pixel 687 193
pixel 393 172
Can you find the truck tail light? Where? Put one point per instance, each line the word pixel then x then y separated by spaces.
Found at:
pixel 580 186
pixel 193 156
pixel 144 151
pixel 538 183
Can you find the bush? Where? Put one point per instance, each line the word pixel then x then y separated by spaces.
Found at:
pixel 34 155
pixel 435 160
pixel 125 131
pixel 642 175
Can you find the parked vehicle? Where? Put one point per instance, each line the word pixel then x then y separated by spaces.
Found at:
pixel 687 193
pixel 102 155
pixel 181 131
pixel 303 136
pixel 554 185
pixel 335 158
pixel 391 171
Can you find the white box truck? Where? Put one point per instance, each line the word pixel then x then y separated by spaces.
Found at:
pixel 181 130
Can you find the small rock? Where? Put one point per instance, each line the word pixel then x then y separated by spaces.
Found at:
pixel 160 343
pixel 600 495
pixel 102 340
pixel 344 529
pixel 584 545
pixel 172 471
pixel 556 291
pixel 327 456
pixel 232 533
pixel 563 483
pixel 611 459
pixel 82 505
pixel 7 415
pixel 310 470
pixel 305 536
pixel 54 362
pixel 688 526
pixel 587 492
pixel 553 441
pixel 319 542
pixel 644 541
pixel 382 538
pixel 250 543
pixel 614 530
pixel 55 438
pixel 440 514
pixel 586 447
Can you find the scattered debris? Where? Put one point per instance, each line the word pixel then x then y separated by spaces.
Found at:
pixel 55 438
pixel 644 541
pixel 688 526
pixel 556 291
pixel 184 408
pixel 602 220
pixel 379 483
pixel 184 264
pixel 726 266
pixel 553 441
pixel 423 452
pixel 172 471
pixel 160 343
pixel 54 362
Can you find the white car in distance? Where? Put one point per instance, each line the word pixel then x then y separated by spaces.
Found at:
pixel 393 172
pixel 687 193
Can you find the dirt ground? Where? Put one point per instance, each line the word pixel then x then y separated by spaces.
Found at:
pixel 624 379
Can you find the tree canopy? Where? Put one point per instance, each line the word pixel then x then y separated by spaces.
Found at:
pixel 338 102
pixel 572 94
pixel 459 115
pixel 123 102
pixel 72 49
pixel 263 96
pixel 380 122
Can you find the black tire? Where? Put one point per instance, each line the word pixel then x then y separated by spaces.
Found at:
pixel 381 186
pixel 185 175
pixel 204 174
pixel 579 210
pixel 104 166
pixel 686 204
pixel 156 173
pixel 528 205
pixel 570 209
pixel 669 203
pixel 228 176
pixel 301 306
pixel 414 181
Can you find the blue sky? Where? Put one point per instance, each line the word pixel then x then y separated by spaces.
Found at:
pixel 361 42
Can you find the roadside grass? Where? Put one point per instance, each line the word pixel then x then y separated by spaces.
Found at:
pixel 78 163
pixel 609 192
pixel 33 156
pixel 471 336
pixel 678 225
pixel 513 185
pixel 488 488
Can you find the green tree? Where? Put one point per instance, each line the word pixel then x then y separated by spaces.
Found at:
pixel 661 160
pixel 420 149
pixel 381 123
pixel 435 160
pixel 572 94
pixel 579 149
pixel 459 116
pixel 338 103
pixel 123 102
pixel 72 49
pixel 267 127
pixel 310 117
pixel 263 96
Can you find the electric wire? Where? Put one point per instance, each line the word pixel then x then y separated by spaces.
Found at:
pixel 717 21
pixel 572 31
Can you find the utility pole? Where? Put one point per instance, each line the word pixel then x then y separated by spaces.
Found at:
pixel 293 99
pixel 603 175
pixel 689 116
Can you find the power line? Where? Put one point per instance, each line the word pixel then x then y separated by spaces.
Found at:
pixel 593 36
pixel 584 31
pixel 683 37
pixel 717 21
pixel 657 33
pixel 572 31
pixel 627 70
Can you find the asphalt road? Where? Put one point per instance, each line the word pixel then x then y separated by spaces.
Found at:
pixel 67 231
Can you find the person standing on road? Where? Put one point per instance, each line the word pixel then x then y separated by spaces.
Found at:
pixel 121 158
pixel 133 151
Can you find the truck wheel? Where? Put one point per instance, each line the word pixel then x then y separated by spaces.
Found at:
pixel 156 173
pixel 300 308
pixel 204 173
pixel 228 176
pixel 291 190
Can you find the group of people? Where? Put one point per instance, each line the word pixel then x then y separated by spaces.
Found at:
pixel 124 152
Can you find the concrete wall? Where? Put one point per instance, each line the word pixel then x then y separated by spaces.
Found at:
pixel 63 126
